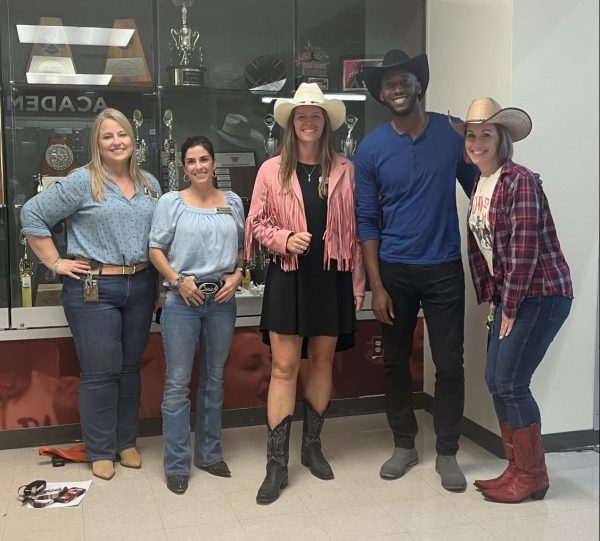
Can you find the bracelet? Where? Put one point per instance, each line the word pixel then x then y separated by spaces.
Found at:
pixel 242 270
pixel 54 267
pixel 179 281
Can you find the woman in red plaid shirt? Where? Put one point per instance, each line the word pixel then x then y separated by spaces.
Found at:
pixel 518 267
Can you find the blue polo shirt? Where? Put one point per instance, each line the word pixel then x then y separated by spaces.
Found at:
pixel 406 192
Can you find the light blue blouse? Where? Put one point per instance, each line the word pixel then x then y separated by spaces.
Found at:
pixel 113 231
pixel 203 242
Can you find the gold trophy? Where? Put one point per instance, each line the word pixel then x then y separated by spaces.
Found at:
pixel 186 72
pixel 25 274
pixel 141 149
pixel 169 153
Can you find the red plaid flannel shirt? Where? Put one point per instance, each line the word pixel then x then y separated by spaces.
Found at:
pixel 527 259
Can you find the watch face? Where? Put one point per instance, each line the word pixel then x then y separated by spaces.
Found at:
pixel 59 156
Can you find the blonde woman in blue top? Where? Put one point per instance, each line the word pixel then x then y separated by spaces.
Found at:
pixel 109 288
pixel 196 243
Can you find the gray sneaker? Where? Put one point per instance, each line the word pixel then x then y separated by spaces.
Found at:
pixel 400 461
pixel 452 476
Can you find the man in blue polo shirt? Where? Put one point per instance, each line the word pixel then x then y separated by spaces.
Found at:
pixel 406 172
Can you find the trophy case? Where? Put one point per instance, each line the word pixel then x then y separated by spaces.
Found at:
pixel 175 68
pixel 62 64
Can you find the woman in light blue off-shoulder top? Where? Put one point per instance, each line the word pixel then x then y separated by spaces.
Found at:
pixel 196 243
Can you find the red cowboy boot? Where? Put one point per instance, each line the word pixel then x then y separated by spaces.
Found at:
pixel 530 476
pixel 509 472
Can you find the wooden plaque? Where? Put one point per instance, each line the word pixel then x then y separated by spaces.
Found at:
pixel 128 64
pixel 51 58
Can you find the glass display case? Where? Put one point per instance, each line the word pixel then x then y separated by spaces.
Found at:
pixel 181 68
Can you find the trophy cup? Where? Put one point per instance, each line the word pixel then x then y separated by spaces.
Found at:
pixel 169 154
pixel 141 149
pixel 271 142
pixel 183 46
pixel 349 143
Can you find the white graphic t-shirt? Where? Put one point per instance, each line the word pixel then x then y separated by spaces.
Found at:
pixel 479 221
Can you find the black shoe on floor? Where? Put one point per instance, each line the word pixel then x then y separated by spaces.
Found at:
pixel 177 483
pixel 220 469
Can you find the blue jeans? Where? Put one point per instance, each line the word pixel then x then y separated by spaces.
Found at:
pixel 512 361
pixel 182 326
pixel 110 337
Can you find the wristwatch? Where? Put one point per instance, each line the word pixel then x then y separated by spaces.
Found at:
pixel 179 281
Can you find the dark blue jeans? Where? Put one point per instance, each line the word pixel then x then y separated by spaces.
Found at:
pixel 512 361
pixel 440 291
pixel 110 337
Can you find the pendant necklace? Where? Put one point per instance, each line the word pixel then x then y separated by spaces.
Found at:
pixel 311 171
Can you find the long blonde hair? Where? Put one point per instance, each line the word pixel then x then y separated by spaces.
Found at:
pixel 97 170
pixel 289 155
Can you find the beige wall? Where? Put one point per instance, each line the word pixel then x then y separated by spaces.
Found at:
pixel 541 55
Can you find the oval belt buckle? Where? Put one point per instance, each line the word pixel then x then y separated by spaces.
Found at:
pixel 208 288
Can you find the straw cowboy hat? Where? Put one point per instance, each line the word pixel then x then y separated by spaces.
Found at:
pixel 487 110
pixel 310 94
pixel 396 60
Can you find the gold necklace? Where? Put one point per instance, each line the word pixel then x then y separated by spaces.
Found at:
pixel 311 171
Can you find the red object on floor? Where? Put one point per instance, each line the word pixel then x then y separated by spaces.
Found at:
pixel 76 453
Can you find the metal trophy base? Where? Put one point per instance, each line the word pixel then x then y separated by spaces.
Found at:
pixel 186 75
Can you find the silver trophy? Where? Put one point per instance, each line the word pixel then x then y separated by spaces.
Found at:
pixel 141 149
pixel 349 143
pixel 188 69
pixel 169 154
pixel 271 143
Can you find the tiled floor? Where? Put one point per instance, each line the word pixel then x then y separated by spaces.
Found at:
pixel 136 505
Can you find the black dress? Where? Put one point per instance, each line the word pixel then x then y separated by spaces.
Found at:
pixel 310 301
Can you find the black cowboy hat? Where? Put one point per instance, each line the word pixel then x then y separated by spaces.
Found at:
pixel 396 60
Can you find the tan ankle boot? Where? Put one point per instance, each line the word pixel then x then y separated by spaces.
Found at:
pixel 130 458
pixel 103 469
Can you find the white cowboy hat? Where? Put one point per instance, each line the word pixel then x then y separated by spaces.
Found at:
pixel 486 110
pixel 310 94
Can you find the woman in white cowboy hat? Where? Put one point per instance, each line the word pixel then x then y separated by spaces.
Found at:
pixel 302 211
pixel 518 267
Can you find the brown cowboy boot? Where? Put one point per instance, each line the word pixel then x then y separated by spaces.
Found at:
pixel 311 455
pixel 509 472
pixel 530 475
pixel 278 453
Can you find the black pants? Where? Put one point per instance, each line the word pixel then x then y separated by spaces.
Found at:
pixel 440 290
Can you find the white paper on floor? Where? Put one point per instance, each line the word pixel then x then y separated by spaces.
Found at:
pixel 73 484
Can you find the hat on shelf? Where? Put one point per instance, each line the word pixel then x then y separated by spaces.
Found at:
pixel 238 131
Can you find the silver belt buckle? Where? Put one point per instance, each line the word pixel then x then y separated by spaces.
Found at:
pixel 208 288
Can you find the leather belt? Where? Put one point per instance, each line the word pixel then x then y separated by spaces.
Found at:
pixel 104 269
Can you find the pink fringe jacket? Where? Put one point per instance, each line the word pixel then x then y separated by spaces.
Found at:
pixel 273 216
